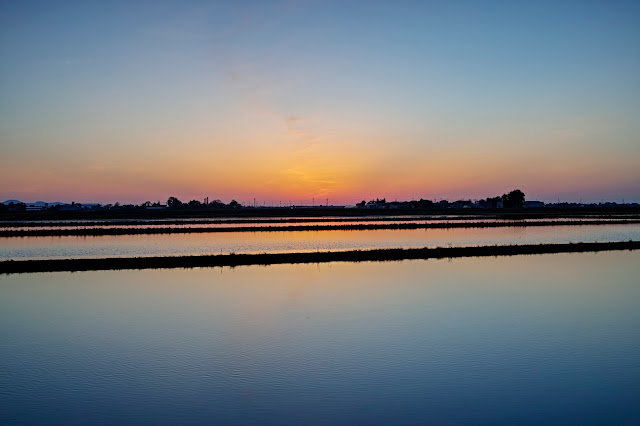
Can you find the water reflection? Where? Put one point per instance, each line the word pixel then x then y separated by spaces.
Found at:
pixel 186 244
pixel 272 223
pixel 526 339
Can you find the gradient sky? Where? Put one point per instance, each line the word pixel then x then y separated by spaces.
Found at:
pixel 104 101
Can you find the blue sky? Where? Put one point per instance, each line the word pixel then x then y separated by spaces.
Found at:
pixel 129 101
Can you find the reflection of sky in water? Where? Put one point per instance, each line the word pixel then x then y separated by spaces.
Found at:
pixel 248 242
pixel 524 339
pixel 265 223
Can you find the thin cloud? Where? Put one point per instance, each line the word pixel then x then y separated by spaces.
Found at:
pixel 293 120
pixel 295 127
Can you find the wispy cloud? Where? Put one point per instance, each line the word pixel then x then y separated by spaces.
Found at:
pixel 296 127
pixel 293 120
pixel 260 90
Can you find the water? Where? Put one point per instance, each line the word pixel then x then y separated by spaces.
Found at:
pixel 259 218
pixel 294 241
pixel 254 222
pixel 546 339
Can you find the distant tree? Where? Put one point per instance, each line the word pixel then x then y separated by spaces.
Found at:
pixel 424 203
pixel 513 199
pixel 234 204
pixel 489 203
pixel 361 204
pixel 173 203
pixel 195 203
pixel 217 204
pixel 16 207
pixel 517 198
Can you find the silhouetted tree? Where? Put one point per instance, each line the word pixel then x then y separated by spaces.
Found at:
pixel 174 203
pixel 361 204
pixel 217 204
pixel 234 204
pixel 513 199
pixel 422 204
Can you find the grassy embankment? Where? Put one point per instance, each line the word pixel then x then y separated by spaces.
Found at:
pixel 22 266
pixel 347 227
pixel 114 214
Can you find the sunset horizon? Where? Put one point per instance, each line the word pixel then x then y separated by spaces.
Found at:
pixel 249 201
pixel 286 102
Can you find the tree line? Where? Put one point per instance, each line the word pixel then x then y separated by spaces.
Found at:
pixel 514 199
pixel 175 203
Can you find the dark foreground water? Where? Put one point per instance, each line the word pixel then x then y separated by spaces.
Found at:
pixel 547 339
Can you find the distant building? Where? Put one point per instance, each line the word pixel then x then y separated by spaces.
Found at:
pixel 399 205
pixel 377 204
pixel 533 204
pixel 461 204
pixel 69 207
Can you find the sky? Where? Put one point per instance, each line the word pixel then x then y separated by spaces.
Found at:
pixel 294 101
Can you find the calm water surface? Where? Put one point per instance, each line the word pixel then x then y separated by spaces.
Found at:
pixel 238 223
pixel 294 241
pixel 546 339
